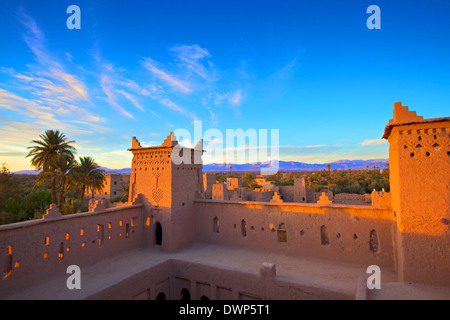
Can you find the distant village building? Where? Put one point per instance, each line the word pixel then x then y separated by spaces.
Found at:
pixel 113 186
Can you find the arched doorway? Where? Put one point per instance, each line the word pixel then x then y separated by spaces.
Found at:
pixel 158 234
pixel 282 236
pixel 161 296
pixel 185 294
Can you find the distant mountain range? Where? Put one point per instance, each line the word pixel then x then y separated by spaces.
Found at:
pixel 283 166
pixel 300 166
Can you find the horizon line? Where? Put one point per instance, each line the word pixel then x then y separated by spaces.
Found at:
pixel 225 164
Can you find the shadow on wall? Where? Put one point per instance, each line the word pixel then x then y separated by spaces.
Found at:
pixel 196 281
pixel 424 264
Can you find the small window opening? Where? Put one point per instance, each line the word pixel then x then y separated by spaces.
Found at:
pixel 373 243
pixel 324 236
pixel 61 251
pixel 282 236
pixel 243 228
pixel 100 235
pixel 127 230
pixel 8 265
pixel 216 225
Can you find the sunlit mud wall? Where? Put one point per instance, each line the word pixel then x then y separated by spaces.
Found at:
pixel 357 234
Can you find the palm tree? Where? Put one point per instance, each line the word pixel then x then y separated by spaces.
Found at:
pixel 62 173
pixel 65 166
pixel 126 192
pixel 45 154
pixel 96 180
pixel 88 174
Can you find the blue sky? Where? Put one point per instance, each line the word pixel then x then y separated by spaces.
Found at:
pixel 311 69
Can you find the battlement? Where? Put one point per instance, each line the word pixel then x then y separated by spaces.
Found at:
pixel 403 117
pixel 402 114
pixel 170 141
pixel 135 143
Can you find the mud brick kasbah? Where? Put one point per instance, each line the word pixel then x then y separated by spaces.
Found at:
pixel 182 233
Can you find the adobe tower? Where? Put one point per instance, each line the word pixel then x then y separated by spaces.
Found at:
pixel 419 161
pixel 168 177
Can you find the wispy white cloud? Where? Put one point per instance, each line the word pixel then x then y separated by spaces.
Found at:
pixel 74 85
pixel 232 98
pixel 187 143
pixel 193 74
pixel 214 141
pixel 191 56
pixel 175 107
pixel 71 109
pixel 45 94
pixel 56 84
pixel 131 98
pixel 374 142
pixel 172 105
pixel 114 159
pixel 304 147
pixel 191 53
pixel 19 135
pixel 275 85
pixel 151 65
pixel 64 85
pixel 107 89
pixel 236 97
pixel 287 71
pixel 23 77
pixel 96 127
pixel 116 86
pixel 29 108
pixel 135 92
